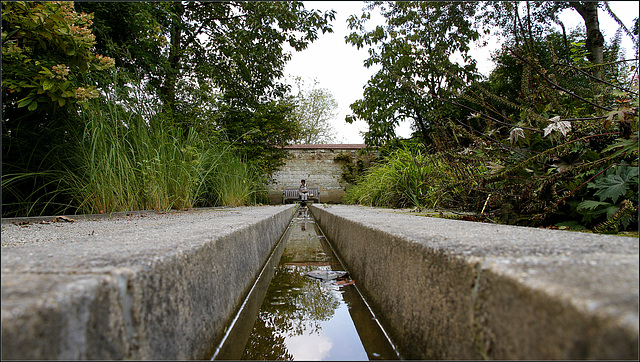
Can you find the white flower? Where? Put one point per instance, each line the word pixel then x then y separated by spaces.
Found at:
pixel 474 115
pixel 516 134
pixel 561 126
pixel 495 168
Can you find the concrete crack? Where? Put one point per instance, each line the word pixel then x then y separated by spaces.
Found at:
pixel 126 306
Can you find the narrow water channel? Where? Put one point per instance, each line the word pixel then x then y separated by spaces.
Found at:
pixel 289 315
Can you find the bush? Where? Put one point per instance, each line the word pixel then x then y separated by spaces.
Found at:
pixel 410 177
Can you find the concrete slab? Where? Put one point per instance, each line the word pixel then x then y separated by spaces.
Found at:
pixel 141 286
pixel 449 289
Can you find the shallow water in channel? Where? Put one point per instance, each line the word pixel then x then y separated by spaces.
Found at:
pixel 290 316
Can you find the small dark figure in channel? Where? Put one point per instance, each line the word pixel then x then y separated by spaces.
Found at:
pixel 303 193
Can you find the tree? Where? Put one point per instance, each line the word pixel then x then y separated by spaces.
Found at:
pixel 525 21
pixel 588 10
pixel 231 51
pixel 215 66
pixel 131 33
pixel 415 46
pixel 541 142
pixel 314 108
pixel 259 133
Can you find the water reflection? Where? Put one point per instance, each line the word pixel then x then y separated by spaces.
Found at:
pixel 301 318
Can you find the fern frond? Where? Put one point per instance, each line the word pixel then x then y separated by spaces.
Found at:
pixel 626 209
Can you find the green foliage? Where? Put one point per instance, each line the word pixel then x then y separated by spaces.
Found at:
pixel 615 183
pixel 260 133
pixel 207 55
pixel 47 61
pixel 537 135
pixel 233 182
pixel 32 193
pixel 354 168
pixel 410 177
pixel 132 160
pixel 228 83
pixel 314 108
pixel 129 32
pixel 128 158
pixel 213 70
pixel 417 44
pixel 126 163
pixel 46 47
pixel 617 191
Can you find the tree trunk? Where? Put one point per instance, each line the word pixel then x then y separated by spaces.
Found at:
pixel 595 41
pixel 422 127
pixel 169 85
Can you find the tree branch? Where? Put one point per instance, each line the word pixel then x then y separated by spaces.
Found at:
pixel 598 79
pixel 555 85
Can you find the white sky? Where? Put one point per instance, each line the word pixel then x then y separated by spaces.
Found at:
pixel 339 68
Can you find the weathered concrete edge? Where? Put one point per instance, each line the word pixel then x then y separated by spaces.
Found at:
pixel 439 305
pixel 177 308
pixel 49 218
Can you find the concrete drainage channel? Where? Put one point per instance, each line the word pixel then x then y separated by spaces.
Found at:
pixel 165 286
pixel 448 289
pixel 139 286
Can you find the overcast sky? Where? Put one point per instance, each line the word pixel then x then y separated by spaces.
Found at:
pixel 338 67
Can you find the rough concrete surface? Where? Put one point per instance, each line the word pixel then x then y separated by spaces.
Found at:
pixel 142 285
pixel 449 289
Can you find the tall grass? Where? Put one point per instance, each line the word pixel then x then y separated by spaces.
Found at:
pixel 29 193
pixel 235 183
pixel 123 163
pixel 129 159
pixel 127 163
pixel 409 177
pixel 119 154
pixel 32 180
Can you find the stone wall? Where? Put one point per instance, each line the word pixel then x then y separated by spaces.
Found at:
pixel 317 165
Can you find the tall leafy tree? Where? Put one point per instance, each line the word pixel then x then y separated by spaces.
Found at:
pixel 215 66
pixel 525 21
pixel 416 46
pixel 314 108
pixel 216 52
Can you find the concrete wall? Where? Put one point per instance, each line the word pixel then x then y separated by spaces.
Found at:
pixel 145 286
pixel 449 289
pixel 166 285
pixel 317 165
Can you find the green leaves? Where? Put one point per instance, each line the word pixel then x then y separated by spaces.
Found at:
pixel 615 183
pixel 594 208
pixel 46 48
pixel 617 191
pixel 414 51
pixel 314 108
pixel 47 84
